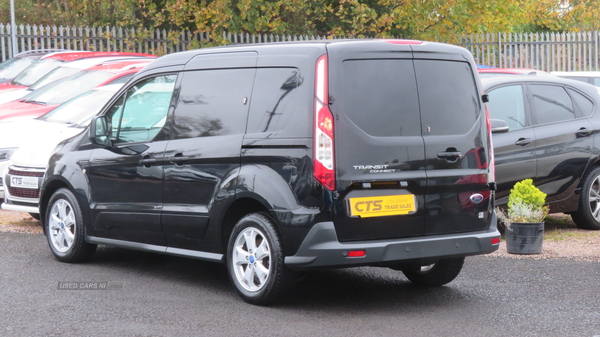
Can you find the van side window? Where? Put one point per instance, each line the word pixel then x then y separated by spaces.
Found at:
pixel 141 113
pixel 274 99
pixel 380 97
pixel 213 102
pixel 585 105
pixel 447 108
pixel 508 104
pixel 551 103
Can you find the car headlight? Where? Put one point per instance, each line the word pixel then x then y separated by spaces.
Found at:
pixel 6 153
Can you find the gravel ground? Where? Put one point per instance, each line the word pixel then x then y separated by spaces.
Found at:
pixel 18 222
pixel 562 240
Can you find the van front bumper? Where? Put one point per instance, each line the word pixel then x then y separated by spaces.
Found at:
pixel 321 248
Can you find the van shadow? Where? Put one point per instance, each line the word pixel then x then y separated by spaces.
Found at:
pixel 343 290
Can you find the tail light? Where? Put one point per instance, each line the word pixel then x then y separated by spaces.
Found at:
pixel 323 162
pixel 492 166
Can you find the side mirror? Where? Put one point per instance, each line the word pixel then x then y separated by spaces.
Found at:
pixel 100 131
pixel 499 126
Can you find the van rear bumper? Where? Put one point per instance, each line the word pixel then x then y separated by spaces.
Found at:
pixel 321 248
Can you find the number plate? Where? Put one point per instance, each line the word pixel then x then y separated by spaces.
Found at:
pixel 382 206
pixel 24 182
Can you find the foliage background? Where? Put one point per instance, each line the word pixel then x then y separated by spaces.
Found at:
pixel 442 20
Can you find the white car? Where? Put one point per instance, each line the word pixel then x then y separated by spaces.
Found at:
pixel 591 77
pixel 35 139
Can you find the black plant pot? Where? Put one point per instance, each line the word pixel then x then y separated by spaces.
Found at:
pixel 524 238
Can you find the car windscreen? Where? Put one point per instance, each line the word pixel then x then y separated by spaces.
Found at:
pixel 80 109
pixel 11 68
pixel 67 88
pixel 35 71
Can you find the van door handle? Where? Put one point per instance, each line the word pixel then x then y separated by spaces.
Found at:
pixel 523 141
pixel 147 162
pixel 178 160
pixel 450 156
pixel 584 132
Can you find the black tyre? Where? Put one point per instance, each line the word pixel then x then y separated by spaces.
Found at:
pixel 35 216
pixel 255 261
pixel 65 228
pixel 588 214
pixel 437 274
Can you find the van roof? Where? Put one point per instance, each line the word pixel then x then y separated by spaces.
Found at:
pixel 275 48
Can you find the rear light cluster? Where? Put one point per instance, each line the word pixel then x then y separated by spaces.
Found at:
pixel 492 166
pixel 324 167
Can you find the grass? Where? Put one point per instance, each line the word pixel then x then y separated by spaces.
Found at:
pixel 560 227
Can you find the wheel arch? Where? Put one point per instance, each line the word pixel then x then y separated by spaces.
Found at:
pixel 50 188
pixel 592 165
pixel 237 210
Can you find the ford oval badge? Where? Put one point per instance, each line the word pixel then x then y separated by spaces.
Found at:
pixel 476 198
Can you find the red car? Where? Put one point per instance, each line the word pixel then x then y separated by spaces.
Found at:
pixel 49 97
pixel 51 61
pixel 511 71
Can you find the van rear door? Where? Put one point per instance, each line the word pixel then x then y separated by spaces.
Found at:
pixel 456 150
pixel 379 149
pixel 411 142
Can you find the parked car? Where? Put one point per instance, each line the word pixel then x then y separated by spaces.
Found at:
pixel 36 138
pixel 10 68
pixel 51 61
pixel 486 72
pixel 63 71
pixel 545 128
pixel 591 77
pixel 279 157
pixel 50 96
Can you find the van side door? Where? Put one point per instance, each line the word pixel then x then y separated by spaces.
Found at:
pixel 202 160
pixel 126 179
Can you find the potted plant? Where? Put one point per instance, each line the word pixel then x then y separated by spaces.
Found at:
pixel 524 218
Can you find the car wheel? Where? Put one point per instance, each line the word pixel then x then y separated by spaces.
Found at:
pixel 255 260
pixel 437 274
pixel 588 214
pixel 35 216
pixel 65 229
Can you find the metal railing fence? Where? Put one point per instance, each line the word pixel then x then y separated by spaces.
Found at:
pixel 158 42
pixel 544 51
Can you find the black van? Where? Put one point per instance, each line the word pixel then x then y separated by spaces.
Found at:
pixel 284 157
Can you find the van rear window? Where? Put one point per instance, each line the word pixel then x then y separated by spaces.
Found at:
pixel 396 97
pixel 449 99
pixel 380 97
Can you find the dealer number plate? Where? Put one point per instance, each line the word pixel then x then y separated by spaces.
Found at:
pixel 382 206
pixel 24 182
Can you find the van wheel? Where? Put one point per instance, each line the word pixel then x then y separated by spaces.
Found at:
pixel 255 260
pixel 437 274
pixel 588 214
pixel 65 231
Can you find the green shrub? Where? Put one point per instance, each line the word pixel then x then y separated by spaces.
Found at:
pixel 525 204
pixel 528 194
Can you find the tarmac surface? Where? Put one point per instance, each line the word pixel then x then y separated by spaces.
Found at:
pixel 129 293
